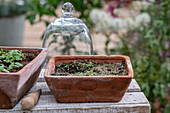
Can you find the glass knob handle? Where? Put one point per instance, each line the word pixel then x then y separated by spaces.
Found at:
pixel 67 9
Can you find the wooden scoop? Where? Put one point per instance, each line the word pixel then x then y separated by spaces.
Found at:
pixel 30 100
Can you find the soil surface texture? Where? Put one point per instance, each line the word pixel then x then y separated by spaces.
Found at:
pixel 29 57
pixel 87 68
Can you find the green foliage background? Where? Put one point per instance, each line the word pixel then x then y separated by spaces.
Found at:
pixel 148 53
pixel 48 7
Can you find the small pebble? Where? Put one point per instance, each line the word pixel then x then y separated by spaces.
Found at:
pixel 121 71
pixel 108 69
pixel 119 68
pixel 53 74
pixel 123 62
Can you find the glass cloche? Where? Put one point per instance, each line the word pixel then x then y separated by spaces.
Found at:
pixel 68 35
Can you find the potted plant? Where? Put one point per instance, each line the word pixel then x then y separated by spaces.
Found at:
pixel 70 81
pixel 19 70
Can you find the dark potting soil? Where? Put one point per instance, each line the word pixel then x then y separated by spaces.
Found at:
pixel 87 68
pixel 29 57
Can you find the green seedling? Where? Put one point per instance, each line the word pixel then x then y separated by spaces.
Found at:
pixel 10 58
pixel 90 64
pixel 1 51
pixel 66 66
pixel 3 68
pixel 114 72
pixel 81 74
pixel 107 72
pixel 90 73
pixel 102 73
pixel 60 65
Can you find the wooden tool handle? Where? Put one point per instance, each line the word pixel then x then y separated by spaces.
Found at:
pixel 30 100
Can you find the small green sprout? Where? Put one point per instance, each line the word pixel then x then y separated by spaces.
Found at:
pixel 66 66
pixel 10 59
pixel 81 74
pixel 107 72
pixel 114 72
pixel 1 51
pixel 3 68
pixel 90 73
pixel 90 64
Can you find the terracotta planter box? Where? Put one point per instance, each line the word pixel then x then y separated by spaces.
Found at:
pixel 88 88
pixel 13 86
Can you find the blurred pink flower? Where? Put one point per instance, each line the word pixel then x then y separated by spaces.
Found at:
pixel 114 16
pixel 163 53
pixel 110 8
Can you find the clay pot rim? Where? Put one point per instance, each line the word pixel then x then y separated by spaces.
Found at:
pixel 71 57
pixel 30 63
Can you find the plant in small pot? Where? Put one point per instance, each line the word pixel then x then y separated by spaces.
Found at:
pixel 19 70
pixel 88 78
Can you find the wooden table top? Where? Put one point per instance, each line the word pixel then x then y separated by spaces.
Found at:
pixel 133 101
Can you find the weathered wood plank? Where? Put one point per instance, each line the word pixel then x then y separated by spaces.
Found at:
pixel 131 102
pixel 41 76
pixel 142 108
pixel 133 87
pixel 43 86
pixel 129 98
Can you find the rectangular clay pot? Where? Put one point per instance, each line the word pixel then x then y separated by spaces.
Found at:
pixel 13 86
pixel 88 88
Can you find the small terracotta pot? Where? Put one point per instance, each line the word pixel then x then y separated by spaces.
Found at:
pixel 88 88
pixel 13 86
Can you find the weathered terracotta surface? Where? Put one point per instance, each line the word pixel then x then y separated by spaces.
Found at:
pixel 13 86
pixel 88 88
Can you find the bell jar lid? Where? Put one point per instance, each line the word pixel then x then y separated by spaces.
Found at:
pixel 69 26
